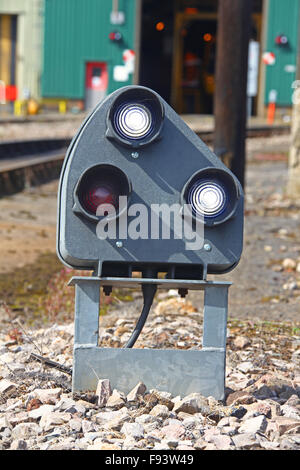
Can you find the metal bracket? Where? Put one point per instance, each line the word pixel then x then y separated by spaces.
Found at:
pixel 178 371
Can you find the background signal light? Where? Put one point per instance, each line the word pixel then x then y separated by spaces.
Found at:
pixel 191 11
pixel 207 37
pixel 281 40
pixel 160 26
pixel 115 36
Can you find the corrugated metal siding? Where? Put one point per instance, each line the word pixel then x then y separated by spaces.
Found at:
pixel 76 32
pixel 283 18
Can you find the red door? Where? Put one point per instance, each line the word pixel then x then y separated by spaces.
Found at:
pixel 96 83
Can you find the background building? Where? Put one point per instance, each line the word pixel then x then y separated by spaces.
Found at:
pixel 84 44
pixel 282 26
pixel 21 27
pixel 78 51
pixel 178 57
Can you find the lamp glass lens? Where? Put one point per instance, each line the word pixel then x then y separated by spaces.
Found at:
pixel 207 198
pixel 97 195
pixel 134 121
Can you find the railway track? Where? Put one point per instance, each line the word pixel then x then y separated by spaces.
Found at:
pixel 25 164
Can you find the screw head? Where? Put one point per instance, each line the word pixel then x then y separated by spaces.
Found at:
pixel 119 244
pixel 135 154
pixel 207 247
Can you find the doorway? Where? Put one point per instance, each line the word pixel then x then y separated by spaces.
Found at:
pixel 178 48
pixel 156 48
pixel 196 80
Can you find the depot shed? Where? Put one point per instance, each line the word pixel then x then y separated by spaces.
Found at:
pixel 84 45
pixel 21 25
pixel 282 40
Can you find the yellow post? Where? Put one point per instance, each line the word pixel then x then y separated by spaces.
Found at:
pixel 18 108
pixel 62 106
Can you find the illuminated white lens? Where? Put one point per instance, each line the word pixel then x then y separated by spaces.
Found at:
pixel 134 121
pixel 207 198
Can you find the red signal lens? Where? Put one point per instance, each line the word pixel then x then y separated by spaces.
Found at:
pixel 98 195
pixel 101 185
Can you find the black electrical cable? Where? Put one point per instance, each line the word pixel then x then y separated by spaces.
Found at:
pixel 149 291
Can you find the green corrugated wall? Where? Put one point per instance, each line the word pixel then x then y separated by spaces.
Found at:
pixel 76 32
pixel 283 18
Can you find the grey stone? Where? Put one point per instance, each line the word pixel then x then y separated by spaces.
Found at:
pixel 105 416
pixel 174 430
pixel 91 436
pixel 134 430
pixel 50 420
pixel 163 445
pixel 290 443
pixel 75 424
pixel 113 419
pixel 49 396
pixel 160 411
pixel 193 403
pixel 245 367
pixel 290 411
pixel 138 390
pixel 129 443
pixel 17 418
pixel 18 444
pixel 7 387
pixel 87 426
pixel 116 400
pixel 268 445
pixel 37 413
pixel 26 431
pixel 284 425
pixel 63 446
pixel 222 442
pixel 144 419
pixel 3 423
pixel 103 391
pixel 190 422
pixel 64 404
pixel 245 441
pixel 241 342
pixel 165 398
pixel 254 425
pixel 150 427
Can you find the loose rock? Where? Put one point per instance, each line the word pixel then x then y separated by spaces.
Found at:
pixel 193 403
pixel 137 391
pixel 160 411
pixel 103 391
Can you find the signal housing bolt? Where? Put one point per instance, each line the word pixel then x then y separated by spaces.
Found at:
pixel 207 247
